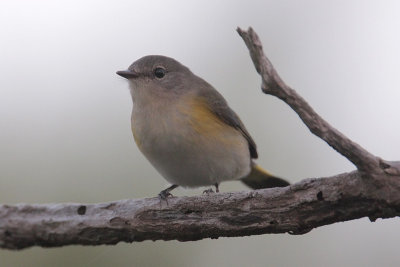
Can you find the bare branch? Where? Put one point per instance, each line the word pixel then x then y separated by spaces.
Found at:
pixel 272 84
pixel 296 209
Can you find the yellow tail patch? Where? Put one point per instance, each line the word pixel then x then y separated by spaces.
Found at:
pixel 259 178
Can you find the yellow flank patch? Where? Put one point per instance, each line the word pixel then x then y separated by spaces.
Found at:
pixel 135 137
pixel 207 123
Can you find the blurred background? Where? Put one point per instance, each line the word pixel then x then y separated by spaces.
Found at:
pixel 65 115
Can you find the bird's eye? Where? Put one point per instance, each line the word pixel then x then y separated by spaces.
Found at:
pixel 159 72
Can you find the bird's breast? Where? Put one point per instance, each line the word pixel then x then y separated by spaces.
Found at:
pixel 188 140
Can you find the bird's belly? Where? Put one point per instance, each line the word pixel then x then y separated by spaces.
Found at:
pixel 190 155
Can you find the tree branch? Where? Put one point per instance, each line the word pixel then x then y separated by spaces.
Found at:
pixel 296 209
pixel 272 84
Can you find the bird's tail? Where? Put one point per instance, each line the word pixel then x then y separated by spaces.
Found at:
pixel 259 178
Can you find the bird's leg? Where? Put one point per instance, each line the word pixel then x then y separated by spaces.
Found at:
pixel 166 192
pixel 216 188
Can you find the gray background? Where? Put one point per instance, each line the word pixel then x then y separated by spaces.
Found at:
pixel 65 116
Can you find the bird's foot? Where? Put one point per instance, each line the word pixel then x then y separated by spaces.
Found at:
pixel 163 195
pixel 208 191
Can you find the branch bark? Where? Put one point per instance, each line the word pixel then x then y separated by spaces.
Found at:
pixel 296 209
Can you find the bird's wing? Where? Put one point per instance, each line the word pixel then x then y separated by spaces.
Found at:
pixel 220 108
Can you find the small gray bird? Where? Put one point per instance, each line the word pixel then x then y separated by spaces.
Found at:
pixel 186 129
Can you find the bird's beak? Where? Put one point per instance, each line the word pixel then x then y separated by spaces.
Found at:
pixel 128 74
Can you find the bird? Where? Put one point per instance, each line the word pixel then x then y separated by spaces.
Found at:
pixel 187 131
